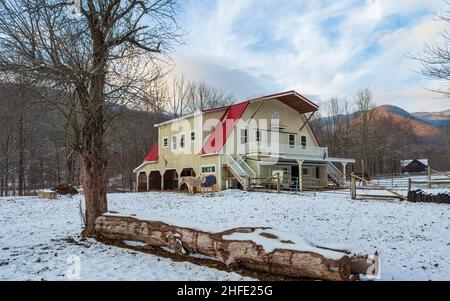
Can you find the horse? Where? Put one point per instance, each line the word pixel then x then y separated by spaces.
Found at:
pixel 191 183
pixel 210 183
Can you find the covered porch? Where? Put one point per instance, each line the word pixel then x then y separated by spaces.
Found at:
pixel 300 173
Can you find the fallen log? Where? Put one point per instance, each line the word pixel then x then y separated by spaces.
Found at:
pixel 259 249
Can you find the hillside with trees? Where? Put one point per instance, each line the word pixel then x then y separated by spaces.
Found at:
pixel 34 148
pixel 379 137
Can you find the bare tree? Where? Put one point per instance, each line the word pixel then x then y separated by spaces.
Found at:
pixel 185 97
pixel 103 58
pixel 179 96
pixel 435 60
pixel 364 104
pixel 435 57
pixel 204 96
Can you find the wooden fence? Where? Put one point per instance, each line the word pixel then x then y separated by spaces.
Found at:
pixel 373 186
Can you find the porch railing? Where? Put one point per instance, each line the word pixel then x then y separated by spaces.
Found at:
pixel 285 149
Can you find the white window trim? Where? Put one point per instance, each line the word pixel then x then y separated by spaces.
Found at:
pixel 209 172
pixel 240 136
pixel 289 141
pixel 165 146
pixel 278 113
pixel 184 146
pixel 306 141
pixel 174 144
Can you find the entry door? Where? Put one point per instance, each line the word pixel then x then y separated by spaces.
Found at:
pixel 294 172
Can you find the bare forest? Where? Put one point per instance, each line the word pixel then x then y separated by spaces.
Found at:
pixel 82 89
pixel 376 137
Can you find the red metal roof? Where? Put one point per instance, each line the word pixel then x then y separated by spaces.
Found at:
pixel 217 139
pixel 153 154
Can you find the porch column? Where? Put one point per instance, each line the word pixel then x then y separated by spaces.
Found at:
pixel 137 182
pixel 162 181
pixel 344 170
pixel 300 174
pixel 148 182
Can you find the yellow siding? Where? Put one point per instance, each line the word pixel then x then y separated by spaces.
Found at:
pixel 189 157
pixel 289 118
pixel 210 121
pixel 179 159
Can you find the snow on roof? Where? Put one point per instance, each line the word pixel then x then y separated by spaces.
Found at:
pixel 407 162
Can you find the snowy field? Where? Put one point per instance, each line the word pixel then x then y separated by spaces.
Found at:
pixel 413 239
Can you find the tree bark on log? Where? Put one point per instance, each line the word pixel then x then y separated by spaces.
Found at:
pixel 313 262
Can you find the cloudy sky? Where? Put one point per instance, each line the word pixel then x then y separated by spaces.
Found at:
pixel 320 48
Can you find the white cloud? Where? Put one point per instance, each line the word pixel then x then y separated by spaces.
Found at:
pixel 251 47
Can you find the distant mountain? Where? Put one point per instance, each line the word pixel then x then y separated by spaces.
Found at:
pixel 438 119
pixel 421 127
pixel 429 128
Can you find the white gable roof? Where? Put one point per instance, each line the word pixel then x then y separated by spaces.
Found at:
pixel 406 162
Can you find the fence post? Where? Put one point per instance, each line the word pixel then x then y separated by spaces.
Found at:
pixel 278 182
pixel 409 184
pixel 429 176
pixel 353 186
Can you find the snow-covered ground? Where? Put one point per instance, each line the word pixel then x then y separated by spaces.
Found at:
pixel 413 239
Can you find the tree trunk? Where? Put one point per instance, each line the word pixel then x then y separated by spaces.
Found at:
pixel 20 162
pixel 94 189
pixel 292 259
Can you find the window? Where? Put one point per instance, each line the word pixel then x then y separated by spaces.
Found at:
pixel 258 136
pixel 276 115
pixel 291 140
pixel 174 142
pixel 244 136
pixel 275 119
pixel 165 142
pixel 303 142
pixel 209 169
pixel 192 136
pixel 182 138
pixel 305 171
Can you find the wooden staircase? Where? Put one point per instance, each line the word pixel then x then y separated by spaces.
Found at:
pixel 241 171
pixel 335 175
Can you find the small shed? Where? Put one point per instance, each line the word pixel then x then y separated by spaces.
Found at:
pixel 415 165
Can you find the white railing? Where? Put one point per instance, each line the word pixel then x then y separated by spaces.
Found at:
pixel 245 166
pixel 334 172
pixel 285 149
pixel 228 159
pixel 237 170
